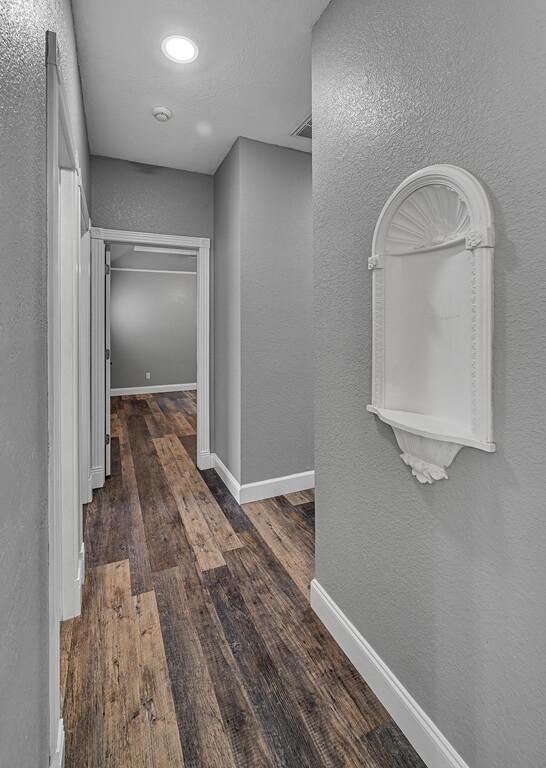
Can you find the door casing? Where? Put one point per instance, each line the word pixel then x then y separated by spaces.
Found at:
pixel 100 309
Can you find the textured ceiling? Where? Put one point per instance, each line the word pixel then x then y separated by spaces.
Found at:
pixel 252 77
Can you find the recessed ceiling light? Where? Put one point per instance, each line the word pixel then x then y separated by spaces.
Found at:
pixel 180 49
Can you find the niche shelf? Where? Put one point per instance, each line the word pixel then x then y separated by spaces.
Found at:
pixel 432 297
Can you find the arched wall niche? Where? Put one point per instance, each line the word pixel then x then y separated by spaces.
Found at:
pixel 432 297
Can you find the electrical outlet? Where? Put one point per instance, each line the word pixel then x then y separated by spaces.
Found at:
pixel 148 375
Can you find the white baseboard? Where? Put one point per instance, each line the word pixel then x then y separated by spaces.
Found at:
pixel 150 390
pixel 98 477
pixel 89 490
pixel 425 737
pixel 81 568
pixel 233 485
pixel 204 460
pixel 264 489
pixel 57 760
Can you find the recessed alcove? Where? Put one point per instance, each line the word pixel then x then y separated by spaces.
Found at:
pixel 432 261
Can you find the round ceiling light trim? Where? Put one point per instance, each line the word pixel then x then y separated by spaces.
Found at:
pixel 180 49
pixel 162 114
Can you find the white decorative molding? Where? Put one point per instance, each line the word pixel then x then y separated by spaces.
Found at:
pixel 432 297
pixel 263 489
pixel 425 737
pixel 153 389
pixel 149 238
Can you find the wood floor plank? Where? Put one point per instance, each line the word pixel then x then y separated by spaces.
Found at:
pixel 167 545
pixel 338 739
pixel 220 527
pixel 231 509
pixel 190 444
pixel 204 740
pixel 66 652
pixel 300 497
pixel 137 546
pixel 242 727
pixel 123 732
pixel 278 535
pixel 292 609
pixel 284 728
pixel 83 706
pixel 391 749
pixel 197 531
pixel 175 417
pixel 295 524
pixel 163 425
pixel 157 703
pixel 107 522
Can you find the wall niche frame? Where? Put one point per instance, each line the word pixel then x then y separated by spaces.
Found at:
pixel 432 299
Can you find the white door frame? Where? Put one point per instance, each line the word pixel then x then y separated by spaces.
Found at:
pixel 107 364
pixel 201 246
pixel 65 207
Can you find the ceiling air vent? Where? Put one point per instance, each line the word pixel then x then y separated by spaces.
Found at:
pixel 305 129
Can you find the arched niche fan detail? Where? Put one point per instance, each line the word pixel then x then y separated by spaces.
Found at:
pixel 432 266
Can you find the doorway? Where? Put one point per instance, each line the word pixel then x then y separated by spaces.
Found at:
pixel 103 240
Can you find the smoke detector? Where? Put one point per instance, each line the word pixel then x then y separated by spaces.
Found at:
pixel 162 114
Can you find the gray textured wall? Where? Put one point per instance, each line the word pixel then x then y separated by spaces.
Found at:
pixel 153 328
pixel 227 312
pixel 149 198
pixel 23 379
pixel 263 311
pixel 447 582
pixel 277 311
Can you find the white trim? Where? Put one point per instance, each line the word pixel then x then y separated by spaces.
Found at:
pixel 85 364
pixel 69 412
pixel 263 489
pixel 98 371
pixel 107 361
pixel 57 758
pixel 172 251
pixel 149 238
pixel 203 355
pixel 153 271
pixel 421 732
pixel 232 484
pixel 63 263
pixel 54 401
pixel 202 245
pixel 153 389
pixel 97 478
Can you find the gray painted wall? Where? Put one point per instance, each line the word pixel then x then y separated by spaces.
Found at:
pixel 153 328
pixel 149 198
pixel 277 311
pixel 263 311
pixel 227 312
pixel 23 378
pixel 447 582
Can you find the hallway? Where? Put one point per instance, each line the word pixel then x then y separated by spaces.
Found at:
pixel 196 645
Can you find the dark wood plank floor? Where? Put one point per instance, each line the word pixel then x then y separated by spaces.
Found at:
pixel 196 645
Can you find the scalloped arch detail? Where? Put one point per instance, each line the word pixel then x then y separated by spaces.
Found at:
pixel 435 205
pixel 429 216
